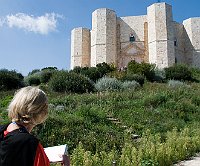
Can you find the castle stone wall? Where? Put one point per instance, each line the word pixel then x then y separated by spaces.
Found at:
pixel 161 38
pixel 80 47
pixel 192 29
pixel 179 43
pixel 103 35
pixel 131 25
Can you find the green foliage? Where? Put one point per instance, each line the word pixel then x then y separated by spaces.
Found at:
pixel 108 84
pixel 159 75
pixel 178 72
pixel 176 84
pixel 128 85
pixel 46 75
pixel 77 69
pixel 134 77
pixel 150 151
pixel 105 122
pixel 63 81
pixel 34 71
pixel 5 101
pixel 10 79
pixel 117 74
pixel 155 100
pixel 195 73
pixel 49 68
pixel 143 68
pixel 94 73
pixel 33 79
pixel 104 68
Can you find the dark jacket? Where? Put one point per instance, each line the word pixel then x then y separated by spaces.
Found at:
pixel 17 148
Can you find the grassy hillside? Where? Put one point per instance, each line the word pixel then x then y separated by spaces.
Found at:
pixel 153 125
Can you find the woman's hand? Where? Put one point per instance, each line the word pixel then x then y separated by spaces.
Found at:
pixel 66 160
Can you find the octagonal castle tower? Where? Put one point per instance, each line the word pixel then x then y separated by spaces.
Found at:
pixel 103 37
pixel 192 44
pixel 154 38
pixel 161 35
pixel 80 47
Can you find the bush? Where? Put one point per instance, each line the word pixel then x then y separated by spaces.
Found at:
pixel 176 84
pixel 107 84
pixel 34 71
pixel 159 75
pixel 77 69
pixel 134 77
pixel 92 73
pixel 178 72
pixel 46 75
pixel 104 68
pixel 117 74
pixel 63 81
pixel 144 69
pixel 33 79
pixel 10 79
pixel 130 85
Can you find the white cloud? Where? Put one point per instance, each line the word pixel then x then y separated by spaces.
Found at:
pixel 42 24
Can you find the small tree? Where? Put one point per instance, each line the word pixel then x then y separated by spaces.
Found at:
pixel 10 79
pixel 143 68
pixel 104 68
pixel 178 72
pixel 63 81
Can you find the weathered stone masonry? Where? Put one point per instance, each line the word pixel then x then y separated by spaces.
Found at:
pixel 153 38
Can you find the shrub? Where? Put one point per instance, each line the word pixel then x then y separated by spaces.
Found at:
pixel 195 74
pixel 34 71
pixel 104 68
pixel 143 68
pixel 176 84
pixel 92 73
pixel 117 74
pixel 10 79
pixel 154 101
pixel 148 71
pixel 130 85
pixel 134 77
pixel 46 75
pixel 33 79
pixel 77 69
pixel 159 75
pixel 107 84
pixel 178 72
pixel 64 81
pixel 5 101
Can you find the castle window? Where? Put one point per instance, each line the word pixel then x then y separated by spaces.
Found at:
pixel 132 38
pixel 175 42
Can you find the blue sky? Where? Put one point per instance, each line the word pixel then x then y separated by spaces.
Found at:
pixel 36 33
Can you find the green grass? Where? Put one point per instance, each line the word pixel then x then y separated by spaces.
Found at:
pixel 156 108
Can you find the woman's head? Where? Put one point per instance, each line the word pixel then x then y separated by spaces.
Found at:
pixel 29 106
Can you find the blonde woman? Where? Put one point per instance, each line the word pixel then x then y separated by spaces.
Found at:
pixel 18 147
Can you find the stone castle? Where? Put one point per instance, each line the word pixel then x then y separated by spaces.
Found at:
pixel 153 38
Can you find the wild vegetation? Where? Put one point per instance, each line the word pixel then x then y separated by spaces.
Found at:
pixel 121 121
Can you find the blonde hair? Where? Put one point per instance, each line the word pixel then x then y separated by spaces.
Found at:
pixel 29 106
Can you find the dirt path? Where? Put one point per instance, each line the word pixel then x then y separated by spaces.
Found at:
pixel 195 161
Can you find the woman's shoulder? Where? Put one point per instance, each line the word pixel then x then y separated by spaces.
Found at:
pixel 23 135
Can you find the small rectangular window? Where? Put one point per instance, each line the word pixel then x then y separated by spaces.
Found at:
pixel 132 39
